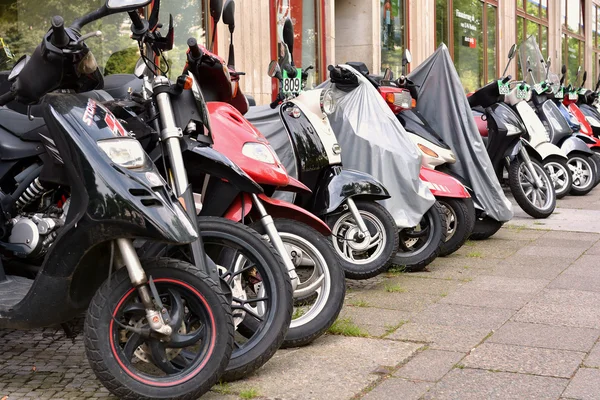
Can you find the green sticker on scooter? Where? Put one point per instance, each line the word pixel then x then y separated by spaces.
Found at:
pixel 292 85
pixel 560 93
pixel 522 91
pixel 503 88
pixel 539 88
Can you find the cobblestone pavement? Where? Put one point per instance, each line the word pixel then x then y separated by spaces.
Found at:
pixel 513 317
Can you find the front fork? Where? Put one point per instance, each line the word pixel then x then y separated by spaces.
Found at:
pixel 529 166
pixel 360 222
pixel 275 238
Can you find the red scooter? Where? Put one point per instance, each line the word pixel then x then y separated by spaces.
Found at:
pixel 298 235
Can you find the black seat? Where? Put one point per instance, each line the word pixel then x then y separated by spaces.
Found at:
pixel 19 124
pixel 118 85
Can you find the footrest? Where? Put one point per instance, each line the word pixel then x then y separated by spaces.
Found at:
pixel 13 290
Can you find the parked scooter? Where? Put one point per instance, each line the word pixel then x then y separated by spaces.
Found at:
pixel 84 188
pixel 364 233
pixel 586 100
pixel 529 183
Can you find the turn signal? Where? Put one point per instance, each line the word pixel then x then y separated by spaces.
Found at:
pixel 413 103
pixel 189 83
pixel 427 151
pixel 390 97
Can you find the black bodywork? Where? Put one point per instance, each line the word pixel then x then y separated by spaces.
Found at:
pixel 330 184
pixel 106 202
pixel 414 122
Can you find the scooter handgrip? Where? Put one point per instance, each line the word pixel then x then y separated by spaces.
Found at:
pixel 194 49
pixel 275 103
pixel 136 21
pixel 7 98
pixel 507 79
pixel 59 37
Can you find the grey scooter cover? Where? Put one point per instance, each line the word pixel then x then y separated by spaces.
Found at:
pixel 443 103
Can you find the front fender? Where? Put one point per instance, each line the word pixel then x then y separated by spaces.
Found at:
pixel 443 185
pixel 572 143
pixel 209 161
pixel 545 150
pixel 339 184
pixel 283 209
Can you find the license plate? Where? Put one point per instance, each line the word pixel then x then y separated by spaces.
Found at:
pixel 573 96
pixel 503 88
pixel 292 85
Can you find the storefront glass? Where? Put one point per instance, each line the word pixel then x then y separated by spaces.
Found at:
pixel 532 20
pixel 393 40
pixel 573 48
pixel 305 16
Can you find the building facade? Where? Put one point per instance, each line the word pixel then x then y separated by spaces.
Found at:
pixel 478 34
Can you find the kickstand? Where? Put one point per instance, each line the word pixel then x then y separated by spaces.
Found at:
pixel 69 332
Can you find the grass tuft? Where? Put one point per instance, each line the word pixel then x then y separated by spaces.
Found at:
pixel 394 288
pixel 346 327
pixel 359 303
pixel 222 388
pixel 397 270
pixel 392 328
pixel 249 393
pixel 475 254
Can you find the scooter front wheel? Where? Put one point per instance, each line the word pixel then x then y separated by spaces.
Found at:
pixel 584 174
pixel 460 220
pixel 134 365
pixel 485 228
pixel 367 256
pixel 560 175
pixel 420 245
pixel 539 202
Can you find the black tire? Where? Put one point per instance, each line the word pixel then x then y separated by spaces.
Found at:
pixel 596 159
pixel 460 220
pixel 434 221
pixel 262 344
pixel 315 320
pixel 582 184
pixel 485 228
pixel 107 358
pixel 516 176
pixel 379 221
pixel 560 175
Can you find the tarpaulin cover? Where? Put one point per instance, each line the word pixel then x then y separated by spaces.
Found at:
pixel 442 102
pixel 373 141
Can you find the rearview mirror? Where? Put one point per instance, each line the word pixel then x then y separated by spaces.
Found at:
pixel 548 63
pixel 407 57
pixel 216 7
pixel 274 69
pixel 14 73
pixel 126 4
pixel 584 78
pixel 140 68
pixel 288 36
pixel 512 51
pixel 563 70
pixel 388 75
pixel 229 15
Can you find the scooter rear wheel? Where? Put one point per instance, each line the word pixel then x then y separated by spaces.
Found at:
pixel 420 245
pixel 584 173
pixel 460 220
pixel 368 257
pixel 560 175
pixel 523 188
pixel 485 228
pixel 134 367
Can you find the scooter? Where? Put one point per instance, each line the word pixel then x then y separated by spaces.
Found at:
pixel 450 193
pixel 364 233
pixel 529 183
pixel 586 100
pixel 84 189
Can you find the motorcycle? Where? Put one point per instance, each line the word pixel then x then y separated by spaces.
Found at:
pixel 84 189
pixel 255 272
pixel 364 233
pixel 448 191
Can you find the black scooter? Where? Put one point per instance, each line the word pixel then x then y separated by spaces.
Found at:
pixel 84 189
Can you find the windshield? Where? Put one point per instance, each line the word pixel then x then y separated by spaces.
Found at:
pixel 529 50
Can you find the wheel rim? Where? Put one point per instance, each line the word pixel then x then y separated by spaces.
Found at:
pixel 313 276
pixel 558 175
pixel 162 363
pixel 255 300
pixel 542 197
pixel 349 247
pixel 581 170
pixel 415 240
pixel 451 220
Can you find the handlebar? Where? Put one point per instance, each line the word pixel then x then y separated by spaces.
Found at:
pixel 194 49
pixel 278 100
pixel 507 79
pixel 138 25
pixel 7 98
pixel 59 37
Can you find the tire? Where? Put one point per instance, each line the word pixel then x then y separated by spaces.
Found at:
pixel 485 228
pixel 434 223
pixel 583 170
pixel 381 224
pixel 560 174
pixel 316 312
pixel 518 177
pixel 460 220
pixel 220 238
pixel 102 336
pixel 596 159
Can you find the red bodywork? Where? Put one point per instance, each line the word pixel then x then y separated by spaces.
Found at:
pixel 481 125
pixel 591 141
pixel 443 185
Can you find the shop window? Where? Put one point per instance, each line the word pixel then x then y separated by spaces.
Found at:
pixel 393 39
pixel 23 23
pixel 469 29
pixel 573 47
pixel 308 27
pixel 532 20
pixel 595 45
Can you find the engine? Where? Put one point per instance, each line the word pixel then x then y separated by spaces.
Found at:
pixel 32 233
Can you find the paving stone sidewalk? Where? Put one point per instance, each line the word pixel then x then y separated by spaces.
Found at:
pixel 513 317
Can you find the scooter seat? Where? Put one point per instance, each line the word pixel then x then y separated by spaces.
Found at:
pixel 118 85
pixel 19 124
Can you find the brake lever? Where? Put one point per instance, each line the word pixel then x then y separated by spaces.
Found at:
pixel 88 35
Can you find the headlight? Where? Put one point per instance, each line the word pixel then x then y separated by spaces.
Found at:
pixel 327 102
pixel 259 152
pixel 127 153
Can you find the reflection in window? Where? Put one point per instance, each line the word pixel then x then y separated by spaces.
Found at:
pixel 532 20
pixel 393 40
pixel 573 48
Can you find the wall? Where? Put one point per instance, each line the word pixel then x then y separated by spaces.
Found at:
pixel 357 29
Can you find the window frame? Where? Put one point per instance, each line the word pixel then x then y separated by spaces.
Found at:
pixel 565 32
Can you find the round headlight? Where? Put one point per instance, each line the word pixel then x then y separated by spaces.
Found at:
pixel 327 102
